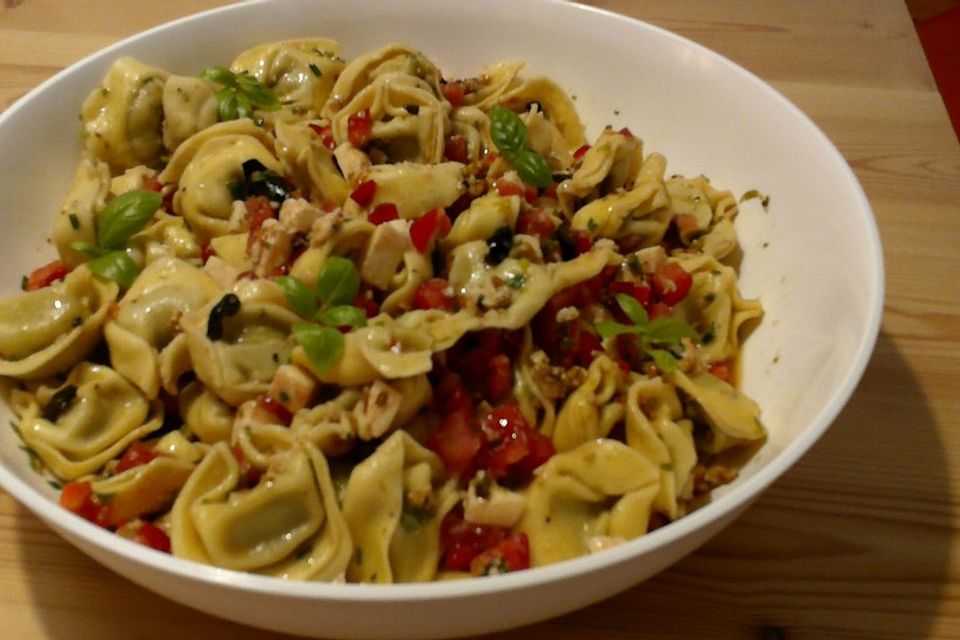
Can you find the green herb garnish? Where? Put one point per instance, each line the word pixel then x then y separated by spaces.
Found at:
pixel 328 307
pixel 509 133
pixel 656 337
pixel 240 93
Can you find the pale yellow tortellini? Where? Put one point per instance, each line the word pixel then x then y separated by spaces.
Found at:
pixel 714 306
pixel 189 106
pixel 409 121
pixel 417 269
pixel 205 165
pixel 393 505
pixel 536 399
pixel 47 331
pixel 143 490
pixel 309 164
pixel 485 215
pixel 555 130
pixel 363 70
pixel 733 418
pixel 288 526
pixel 166 236
pixel 588 413
pixel 204 414
pixel 613 162
pixel 239 361
pixel 77 219
pixel 416 188
pixel 656 428
pixel 89 420
pixel 300 72
pixel 145 344
pixel 123 118
pixel 494 82
pixel 585 499
pixel 707 215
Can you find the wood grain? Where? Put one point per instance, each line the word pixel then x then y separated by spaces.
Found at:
pixel 860 539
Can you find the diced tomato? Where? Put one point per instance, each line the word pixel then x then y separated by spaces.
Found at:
pixel 509 188
pixel 383 212
pixel 424 229
pixel 454 92
pixel 582 151
pixel 432 295
pixel 456 442
pixel 150 535
pixel 626 133
pixel 722 371
pixel 206 252
pixel 359 125
pixel 451 395
pixel 137 454
pixel 363 194
pixel 259 211
pixel 78 498
pixel 536 222
pixel 46 275
pixel 582 242
pixel 249 474
pixel 275 408
pixel 671 283
pixel 152 183
pixel 499 378
pixel 551 191
pixel 660 310
pixel 455 148
pixel 515 440
pixel 510 554
pixel 443 223
pixel 326 134
pixel 365 300
pixel 640 291
pixel 461 541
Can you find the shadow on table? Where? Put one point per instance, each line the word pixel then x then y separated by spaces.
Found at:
pixel 818 556
pixel 821 554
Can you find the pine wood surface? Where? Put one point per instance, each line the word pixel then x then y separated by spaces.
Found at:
pixel 858 540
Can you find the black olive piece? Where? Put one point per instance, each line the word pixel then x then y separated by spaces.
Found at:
pixel 59 403
pixel 500 244
pixel 229 305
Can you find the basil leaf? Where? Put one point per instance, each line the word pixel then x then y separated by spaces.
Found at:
pixel 323 345
pixel 259 95
pixel 125 215
pixel 663 359
pixel 632 307
pixel 219 75
pixel 507 130
pixel 532 168
pixel 343 315
pixel 608 329
pixel 299 295
pixel 227 104
pixel 244 106
pixel 116 266
pixel 89 250
pixel 338 282
pixel 669 331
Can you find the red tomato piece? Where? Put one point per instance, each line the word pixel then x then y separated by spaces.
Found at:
pixel 499 378
pixel 579 153
pixel 365 300
pixel 137 454
pixel 383 212
pixel 150 535
pixel 249 474
pixel 461 541
pixel 326 134
pixel 78 498
pixel 152 183
pixel 432 295
pixel 510 554
pixel 46 275
pixel 275 408
pixel 454 92
pixel 671 283
pixel 582 242
pixel 536 222
pixel 516 441
pixel 509 188
pixel 423 229
pixel 455 148
pixel 722 371
pixel 456 442
pixel 363 194
pixel 359 126
pixel 206 252
pixel 259 211
pixel 452 396
pixel 626 133
pixel 660 310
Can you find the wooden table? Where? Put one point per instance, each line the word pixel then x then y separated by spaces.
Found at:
pixel 859 540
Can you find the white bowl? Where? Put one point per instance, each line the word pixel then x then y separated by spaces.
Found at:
pixel 813 258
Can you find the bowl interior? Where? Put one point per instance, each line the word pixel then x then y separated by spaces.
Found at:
pixel 812 257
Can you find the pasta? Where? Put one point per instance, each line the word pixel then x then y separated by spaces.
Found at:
pixel 336 320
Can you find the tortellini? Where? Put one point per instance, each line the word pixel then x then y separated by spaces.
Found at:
pixel 383 325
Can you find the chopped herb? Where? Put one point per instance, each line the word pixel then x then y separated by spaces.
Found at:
pixel 616 112
pixel 284 396
pixel 315 70
pixel 23 282
pixel 55 484
pixel 754 193
pixel 414 516
pixel 667 466
pixel 592 225
pixel 74 220
pixel 76 322
pixel 515 281
pixel 59 403
pixel 358 556
pixel 656 337
pixel 240 93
